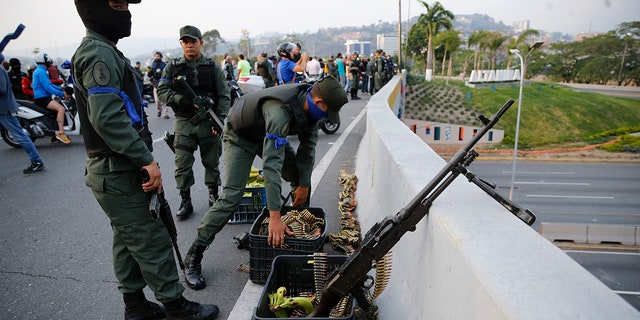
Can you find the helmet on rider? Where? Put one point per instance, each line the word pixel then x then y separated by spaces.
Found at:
pixel 43 58
pixel 285 49
pixel 66 65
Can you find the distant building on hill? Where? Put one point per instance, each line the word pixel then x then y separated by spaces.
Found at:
pixel 388 43
pixel 363 47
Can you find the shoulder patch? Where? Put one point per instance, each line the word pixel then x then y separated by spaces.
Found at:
pixel 101 74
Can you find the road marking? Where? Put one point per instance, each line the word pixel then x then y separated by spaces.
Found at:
pixel 630 293
pixel 555 183
pixel 542 172
pixel 604 252
pixel 566 197
pixel 323 165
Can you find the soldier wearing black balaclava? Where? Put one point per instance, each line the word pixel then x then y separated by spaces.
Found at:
pixel 118 145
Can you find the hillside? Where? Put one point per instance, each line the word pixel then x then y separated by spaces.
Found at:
pixel 551 114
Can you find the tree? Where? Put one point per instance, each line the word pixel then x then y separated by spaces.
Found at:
pixel 244 46
pixel 629 32
pixel 436 18
pixel 417 43
pixel 211 39
pixel 450 40
pixel 521 43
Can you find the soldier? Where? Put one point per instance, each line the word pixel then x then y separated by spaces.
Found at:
pixel 118 145
pixel 354 69
pixel 191 132
pixel 258 125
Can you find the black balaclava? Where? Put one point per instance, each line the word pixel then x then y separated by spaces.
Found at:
pixel 98 16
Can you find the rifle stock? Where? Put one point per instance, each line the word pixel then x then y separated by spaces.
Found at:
pixel 385 234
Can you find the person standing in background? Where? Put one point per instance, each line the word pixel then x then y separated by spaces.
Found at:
pixel 154 74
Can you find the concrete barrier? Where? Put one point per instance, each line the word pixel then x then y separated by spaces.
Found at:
pixel 591 233
pixel 558 231
pixel 469 258
pixel 608 233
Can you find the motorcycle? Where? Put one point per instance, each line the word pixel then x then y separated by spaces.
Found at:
pixel 38 122
pixel 255 83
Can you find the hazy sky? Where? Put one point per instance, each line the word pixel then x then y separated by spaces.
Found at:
pixel 50 24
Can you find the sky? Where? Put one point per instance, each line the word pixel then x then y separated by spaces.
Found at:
pixel 53 24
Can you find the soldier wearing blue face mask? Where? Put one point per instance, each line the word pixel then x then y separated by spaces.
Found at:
pixel 258 125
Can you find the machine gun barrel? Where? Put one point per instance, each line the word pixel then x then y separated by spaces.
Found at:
pixel 350 276
pixel 206 103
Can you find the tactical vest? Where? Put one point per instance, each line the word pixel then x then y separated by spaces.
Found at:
pixel 246 113
pixel 202 80
pixel 94 144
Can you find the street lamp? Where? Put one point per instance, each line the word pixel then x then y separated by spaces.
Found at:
pixel 523 70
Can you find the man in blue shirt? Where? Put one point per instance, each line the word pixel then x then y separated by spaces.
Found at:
pixel 287 68
pixel 43 89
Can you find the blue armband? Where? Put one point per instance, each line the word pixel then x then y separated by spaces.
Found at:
pixel 128 104
pixel 278 141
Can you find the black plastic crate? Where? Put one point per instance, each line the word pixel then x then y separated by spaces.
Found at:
pixel 250 206
pixel 296 274
pixel 261 254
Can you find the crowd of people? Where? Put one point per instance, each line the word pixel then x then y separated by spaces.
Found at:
pixel 119 145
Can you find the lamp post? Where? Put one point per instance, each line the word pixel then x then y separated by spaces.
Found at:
pixel 523 70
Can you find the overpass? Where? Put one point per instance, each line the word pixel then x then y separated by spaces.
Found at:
pixel 469 258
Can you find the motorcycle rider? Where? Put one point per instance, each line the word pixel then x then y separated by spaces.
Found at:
pixel 16 75
pixel 287 67
pixel 8 111
pixel 43 89
pixel 119 145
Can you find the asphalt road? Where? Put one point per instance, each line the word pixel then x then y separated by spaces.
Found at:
pixel 56 241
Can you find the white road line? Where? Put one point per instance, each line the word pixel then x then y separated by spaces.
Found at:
pixel 630 293
pixel 617 253
pixel 542 172
pixel 554 183
pixel 567 197
pixel 323 165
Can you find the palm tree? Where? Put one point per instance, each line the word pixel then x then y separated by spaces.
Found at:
pixel 450 39
pixel 519 41
pixel 436 18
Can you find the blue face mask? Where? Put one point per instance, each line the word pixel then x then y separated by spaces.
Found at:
pixel 316 113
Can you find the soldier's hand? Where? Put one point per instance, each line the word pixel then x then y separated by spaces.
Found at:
pixel 155 178
pixel 300 196
pixel 277 229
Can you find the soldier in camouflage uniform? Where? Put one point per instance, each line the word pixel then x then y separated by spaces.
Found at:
pixel 258 125
pixel 378 71
pixel 118 145
pixel 191 132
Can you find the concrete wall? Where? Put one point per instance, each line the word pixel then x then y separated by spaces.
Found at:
pixel 470 258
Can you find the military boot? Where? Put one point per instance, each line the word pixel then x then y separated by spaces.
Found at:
pixel 193 268
pixel 183 309
pixel 354 94
pixel 186 208
pixel 213 195
pixel 138 308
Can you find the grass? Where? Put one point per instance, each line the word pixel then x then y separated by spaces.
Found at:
pixel 551 114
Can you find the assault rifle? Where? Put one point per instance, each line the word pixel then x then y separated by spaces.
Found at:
pixel 159 208
pixel 351 275
pixel 205 104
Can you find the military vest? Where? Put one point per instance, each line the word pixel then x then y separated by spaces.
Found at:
pixel 246 113
pixel 202 80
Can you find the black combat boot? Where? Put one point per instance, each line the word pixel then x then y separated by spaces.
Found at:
pixel 186 208
pixel 354 94
pixel 183 309
pixel 213 195
pixel 193 268
pixel 138 308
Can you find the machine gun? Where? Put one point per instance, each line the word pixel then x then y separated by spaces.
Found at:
pixel 206 106
pixel 159 208
pixel 351 275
